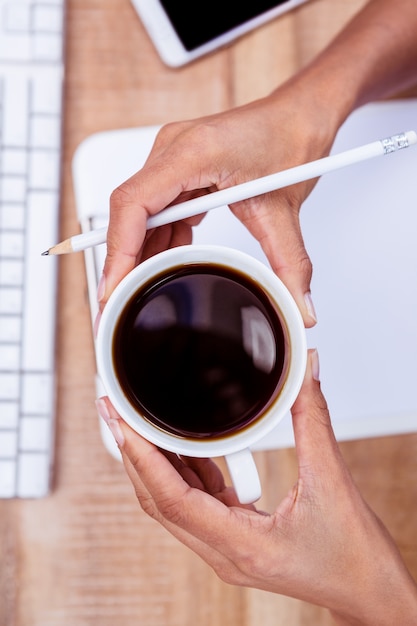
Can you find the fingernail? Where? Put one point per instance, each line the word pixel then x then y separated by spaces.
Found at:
pixel 113 424
pixel 116 431
pixel 101 289
pixel 103 410
pixel 315 365
pixel 310 306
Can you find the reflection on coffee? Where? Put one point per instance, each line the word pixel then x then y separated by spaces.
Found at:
pixel 200 351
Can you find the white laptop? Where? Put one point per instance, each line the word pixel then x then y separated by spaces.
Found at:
pixel 360 227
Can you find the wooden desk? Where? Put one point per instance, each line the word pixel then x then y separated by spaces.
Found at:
pixel 87 555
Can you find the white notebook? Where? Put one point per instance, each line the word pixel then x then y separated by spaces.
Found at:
pixel 360 226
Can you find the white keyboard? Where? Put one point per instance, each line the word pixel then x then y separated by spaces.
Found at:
pixel 31 80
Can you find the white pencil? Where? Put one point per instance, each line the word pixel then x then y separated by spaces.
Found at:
pixel 250 189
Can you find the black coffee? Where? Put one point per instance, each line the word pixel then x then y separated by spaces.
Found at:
pixel 200 351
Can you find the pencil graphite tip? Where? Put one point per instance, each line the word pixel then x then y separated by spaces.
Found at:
pixel 46 253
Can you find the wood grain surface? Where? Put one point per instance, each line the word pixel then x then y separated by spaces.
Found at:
pixel 87 555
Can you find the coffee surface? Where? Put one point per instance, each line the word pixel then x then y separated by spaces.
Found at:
pixel 200 351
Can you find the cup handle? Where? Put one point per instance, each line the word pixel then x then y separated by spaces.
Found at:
pixel 244 475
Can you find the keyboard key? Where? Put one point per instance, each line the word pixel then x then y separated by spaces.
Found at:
pixel 12 245
pixel 14 161
pixel 16 48
pixel 7 478
pixel 37 394
pixel 9 414
pixel 53 2
pixel 16 107
pixel 45 132
pixel 47 19
pixel 9 386
pixel 11 273
pixel 8 444
pixel 43 170
pixel 40 281
pixel 13 189
pixel 17 17
pixel 10 328
pixel 33 475
pixel 35 434
pixel 11 299
pixel 46 94
pixel 47 47
pixel 12 216
pixel 9 357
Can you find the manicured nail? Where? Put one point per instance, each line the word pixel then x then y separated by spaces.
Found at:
pixel 315 365
pixel 101 289
pixel 113 424
pixel 116 431
pixel 310 306
pixel 103 410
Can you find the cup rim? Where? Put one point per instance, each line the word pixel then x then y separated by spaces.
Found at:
pixel 258 271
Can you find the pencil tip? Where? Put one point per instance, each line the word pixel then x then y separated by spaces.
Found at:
pixel 45 253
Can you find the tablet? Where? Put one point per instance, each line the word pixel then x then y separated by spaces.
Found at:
pixel 182 31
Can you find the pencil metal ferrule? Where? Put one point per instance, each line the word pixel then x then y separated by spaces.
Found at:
pixel 395 142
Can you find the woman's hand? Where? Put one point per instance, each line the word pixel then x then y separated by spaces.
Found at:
pixel 322 544
pixel 197 157
pixel 371 58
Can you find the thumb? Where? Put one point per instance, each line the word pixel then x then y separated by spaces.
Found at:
pixel 315 441
pixel 291 262
pixel 277 228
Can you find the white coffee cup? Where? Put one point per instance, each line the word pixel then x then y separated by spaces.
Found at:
pixel 260 343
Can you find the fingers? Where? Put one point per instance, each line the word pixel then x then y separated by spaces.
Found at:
pixel 316 445
pixel 166 495
pixel 212 557
pixel 194 158
pixel 224 566
pixel 273 220
pixel 129 211
pixel 170 170
pixel 284 247
pixel 166 237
